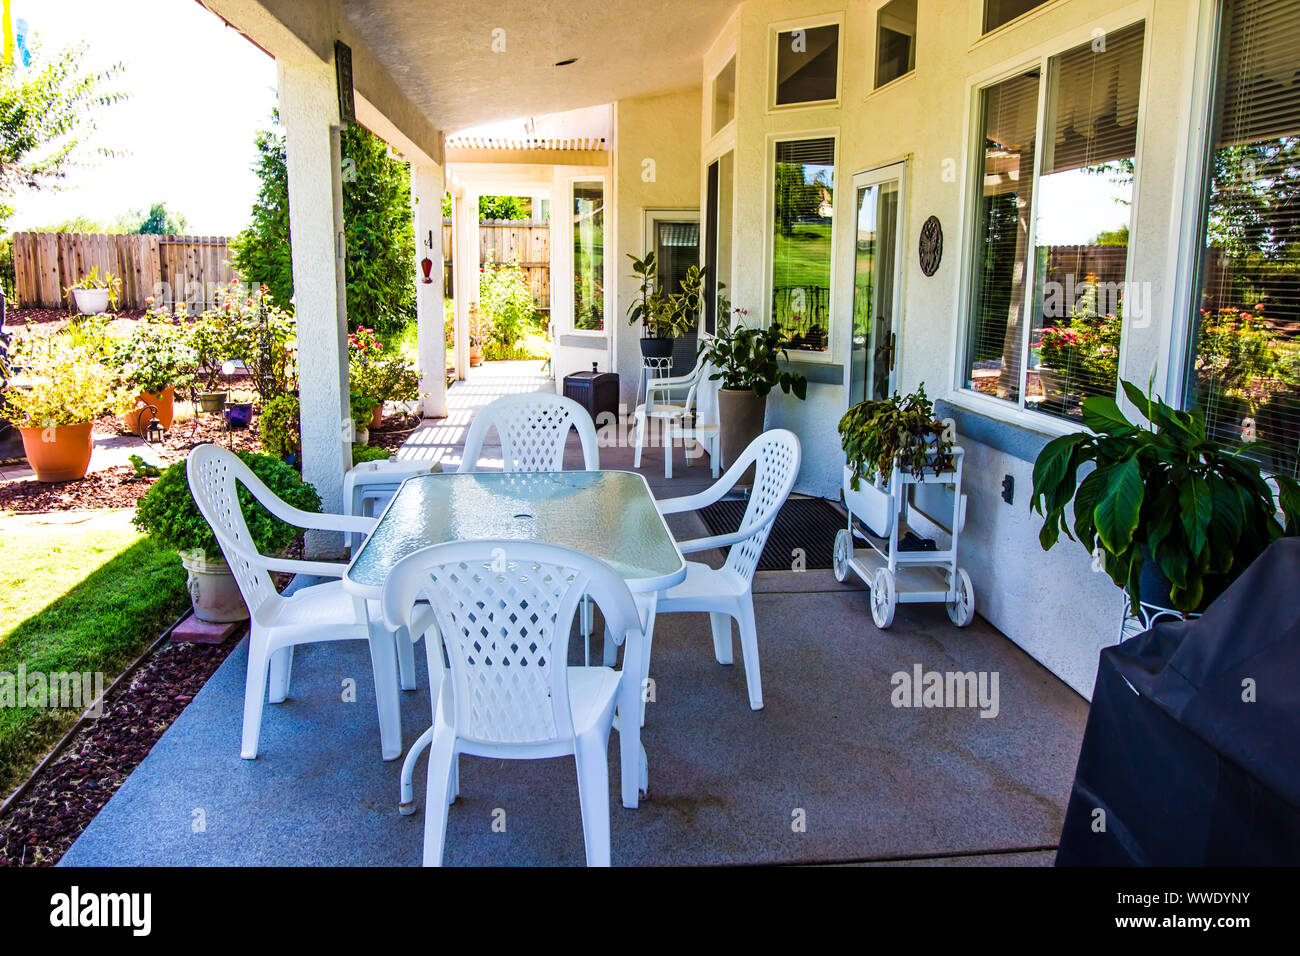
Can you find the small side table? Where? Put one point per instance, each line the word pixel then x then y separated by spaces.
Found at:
pixel 652 368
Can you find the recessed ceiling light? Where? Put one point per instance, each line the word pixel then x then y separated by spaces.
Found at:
pixel 572 59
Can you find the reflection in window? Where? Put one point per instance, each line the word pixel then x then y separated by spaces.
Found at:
pixel 1085 195
pixel 895 40
pixel 804 202
pixel 724 95
pixel 807 63
pixel 717 244
pixel 1245 365
pixel 589 256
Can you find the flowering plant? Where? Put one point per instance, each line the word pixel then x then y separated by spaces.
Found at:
pixel 69 385
pixel 376 377
pixel 157 354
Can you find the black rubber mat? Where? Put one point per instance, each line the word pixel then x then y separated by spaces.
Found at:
pixel 807 524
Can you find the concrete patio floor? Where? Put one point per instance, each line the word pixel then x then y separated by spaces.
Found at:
pixel 870 782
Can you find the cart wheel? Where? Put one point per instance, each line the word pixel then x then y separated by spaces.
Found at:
pixel 883 598
pixel 843 552
pixel 962 610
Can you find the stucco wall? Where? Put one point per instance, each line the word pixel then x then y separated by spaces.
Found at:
pixel 659 129
pixel 1051 604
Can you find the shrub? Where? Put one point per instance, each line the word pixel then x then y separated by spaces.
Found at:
pixel 362 453
pixel 168 512
pixel 70 385
pixel 506 302
pixel 157 354
pixel 381 378
pixel 280 426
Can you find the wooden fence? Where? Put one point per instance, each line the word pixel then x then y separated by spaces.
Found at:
pixel 172 269
pixel 510 240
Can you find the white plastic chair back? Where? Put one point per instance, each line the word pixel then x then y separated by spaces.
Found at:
pixel 505 609
pixel 775 455
pixel 214 476
pixel 533 429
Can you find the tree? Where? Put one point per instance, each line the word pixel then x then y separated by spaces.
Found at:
pixel 160 222
pixel 380 264
pixel 496 207
pixel 47 118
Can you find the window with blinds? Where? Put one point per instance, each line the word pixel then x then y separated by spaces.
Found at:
pixel 1244 371
pixel 1050 276
pixel 803 191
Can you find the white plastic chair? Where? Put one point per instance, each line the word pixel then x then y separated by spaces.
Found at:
pixel 320 612
pixel 678 419
pixel 533 429
pixel 727 592
pixel 503 611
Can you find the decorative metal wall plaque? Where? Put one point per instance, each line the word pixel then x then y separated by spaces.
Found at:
pixel 930 248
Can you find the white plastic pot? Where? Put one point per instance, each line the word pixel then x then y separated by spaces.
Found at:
pixel 214 591
pixel 91 301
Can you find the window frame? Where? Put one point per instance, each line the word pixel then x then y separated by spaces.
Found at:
pixel 607 277
pixel 834 349
pixel 804 23
pixel 712 93
pixel 1038 58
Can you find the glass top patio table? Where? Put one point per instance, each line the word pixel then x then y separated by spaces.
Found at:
pixel 609 515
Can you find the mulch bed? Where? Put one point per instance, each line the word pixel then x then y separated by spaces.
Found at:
pixel 49 321
pixel 40 827
pixel 395 430
pixel 118 487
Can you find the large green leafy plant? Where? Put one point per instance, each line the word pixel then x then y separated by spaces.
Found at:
pixel 874 433
pixel 156 354
pixel 747 358
pixel 1167 494
pixel 168 512
pixel 664 314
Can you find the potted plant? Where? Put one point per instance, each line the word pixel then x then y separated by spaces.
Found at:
pixel 746 361
pixel 154 361
pixel 280 428
pixel 67 388
pixel 211 339
pixel 1173 516
pixel 381 378
pixel 663 315
pixel 876 433
pixel 168 513
pixel 238 410
pixel 478 332
pixel 94 293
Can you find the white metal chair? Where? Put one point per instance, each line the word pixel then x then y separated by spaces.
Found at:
pixel 503 611
pixel 727 592
pixel 676 419
pixel 533 429
pixel 320 612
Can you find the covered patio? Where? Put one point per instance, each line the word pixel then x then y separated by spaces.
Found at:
pixel 830 771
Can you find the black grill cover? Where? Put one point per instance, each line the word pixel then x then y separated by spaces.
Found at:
pixel 1187 772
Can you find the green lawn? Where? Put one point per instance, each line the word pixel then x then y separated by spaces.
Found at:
pixel 802 260
pixel 75 600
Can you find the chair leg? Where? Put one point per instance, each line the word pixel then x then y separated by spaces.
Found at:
pixel 721 622
pixel 278 678
pixel 406 799
pixel 611 649
pixel 639 441
pixel 406 659
pixel 254 693
pixel 383 662
pixel 713 456
pixel 749 649
pixel 668 453
pixel 442 756
pixel 592 758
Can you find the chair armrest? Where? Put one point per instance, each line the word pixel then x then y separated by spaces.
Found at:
pixel 333 522
pixel 695 545
pixel 702 499
pixel 324 569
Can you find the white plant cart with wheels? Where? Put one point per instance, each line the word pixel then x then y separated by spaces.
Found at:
pixel 907 577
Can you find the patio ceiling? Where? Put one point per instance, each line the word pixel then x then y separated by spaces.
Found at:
pixel 441 54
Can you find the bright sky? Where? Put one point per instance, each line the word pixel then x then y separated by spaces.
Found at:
pixel 199 93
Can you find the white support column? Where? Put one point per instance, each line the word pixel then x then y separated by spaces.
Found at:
pixel 465 267
pixel 309 114
pixel 426 202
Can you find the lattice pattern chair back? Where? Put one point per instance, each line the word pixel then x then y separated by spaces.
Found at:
pixel 214 476
pixel 776 456
pixel 533 429
pixel 505 610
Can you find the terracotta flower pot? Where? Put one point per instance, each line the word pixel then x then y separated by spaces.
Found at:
pixel 137 420
pixel 377 418
pixel 475 356
pixel 60 453
pixel 740 421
